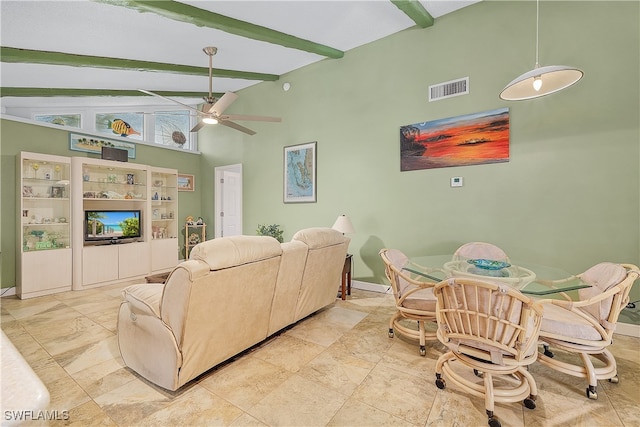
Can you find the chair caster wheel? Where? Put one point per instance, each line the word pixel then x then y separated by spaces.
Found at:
pixel 529 403
pixel 423 350
pixel 591 393
pixel 440 383
pixel 614 380
pixel 478 373
pixel 494 422
pixel 390 333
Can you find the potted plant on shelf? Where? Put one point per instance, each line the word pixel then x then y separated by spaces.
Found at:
pixel 272 230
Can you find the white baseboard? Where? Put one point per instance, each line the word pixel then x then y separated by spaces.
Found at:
pixel 373 287
pixel 628 329
pixel 7 292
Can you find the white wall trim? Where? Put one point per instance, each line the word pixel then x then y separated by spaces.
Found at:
pixel 628 329
pixel 373 287
pixel 7 292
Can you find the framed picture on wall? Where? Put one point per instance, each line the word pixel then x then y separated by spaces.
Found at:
pixel 186 182
pixel 91 144
pixel 300 173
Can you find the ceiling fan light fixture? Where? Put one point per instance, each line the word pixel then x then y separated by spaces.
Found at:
pixel 540 81
pixel 210 113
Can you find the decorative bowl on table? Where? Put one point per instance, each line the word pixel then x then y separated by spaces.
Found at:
pixel 489 264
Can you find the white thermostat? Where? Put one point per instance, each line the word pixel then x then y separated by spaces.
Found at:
pixel 456 181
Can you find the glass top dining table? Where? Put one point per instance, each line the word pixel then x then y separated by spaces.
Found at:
pixel 528 278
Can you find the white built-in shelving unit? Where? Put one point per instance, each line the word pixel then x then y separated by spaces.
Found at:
pixel 55 250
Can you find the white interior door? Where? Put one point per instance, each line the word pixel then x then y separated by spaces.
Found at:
pixel 228 200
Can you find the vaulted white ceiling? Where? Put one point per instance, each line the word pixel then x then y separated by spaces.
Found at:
pixel 119 29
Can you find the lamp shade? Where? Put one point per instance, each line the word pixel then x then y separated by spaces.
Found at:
pixel 552 77
pixel 343 225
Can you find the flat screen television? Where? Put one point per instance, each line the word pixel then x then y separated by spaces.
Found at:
pixel 112 225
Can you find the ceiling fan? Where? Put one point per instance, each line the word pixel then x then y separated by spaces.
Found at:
pixel 211 111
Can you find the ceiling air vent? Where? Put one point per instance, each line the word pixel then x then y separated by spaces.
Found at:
pixel 449 89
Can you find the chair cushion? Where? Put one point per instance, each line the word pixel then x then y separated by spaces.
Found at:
pixel 559 321
pixel 494 354
pixel 601 277
pixel 235 250
pixel 480 250
pixel 424 299
pixel 397 258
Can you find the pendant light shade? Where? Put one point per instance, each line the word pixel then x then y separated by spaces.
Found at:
pixel 541 80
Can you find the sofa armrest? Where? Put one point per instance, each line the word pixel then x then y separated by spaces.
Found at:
pixel 144 299
pixel 176 293
pixel 147 344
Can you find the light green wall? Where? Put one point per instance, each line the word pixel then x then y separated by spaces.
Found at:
pixel 16 136
pixel 569 195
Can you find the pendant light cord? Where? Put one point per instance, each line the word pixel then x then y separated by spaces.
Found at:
pixel 537 30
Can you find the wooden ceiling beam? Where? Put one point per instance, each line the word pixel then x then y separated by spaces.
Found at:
pixel 49 92
pixel 16 55
pixel 414 10
pixel 203 18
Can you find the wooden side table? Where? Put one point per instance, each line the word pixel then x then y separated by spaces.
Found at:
pixel 346 277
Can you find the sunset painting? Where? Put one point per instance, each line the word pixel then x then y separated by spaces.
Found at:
pixel 473 139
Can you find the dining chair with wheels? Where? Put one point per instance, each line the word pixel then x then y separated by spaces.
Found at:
pixel 414 299
pixel 585 327
pixel 491 330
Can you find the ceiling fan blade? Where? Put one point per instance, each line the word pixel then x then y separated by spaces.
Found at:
pixel 225 100
pixel 169 99
pixel 199 126
pixel 252 118
pixel 237 127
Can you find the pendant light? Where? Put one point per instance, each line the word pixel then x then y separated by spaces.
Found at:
pixel 541 80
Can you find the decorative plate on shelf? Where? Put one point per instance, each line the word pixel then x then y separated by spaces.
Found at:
pixel 489 264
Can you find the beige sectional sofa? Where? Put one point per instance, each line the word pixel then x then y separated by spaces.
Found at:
pixel 231 294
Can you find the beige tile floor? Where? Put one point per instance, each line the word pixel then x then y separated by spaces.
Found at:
pixel 336 368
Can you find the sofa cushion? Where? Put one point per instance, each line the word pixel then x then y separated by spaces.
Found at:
pixel 292 264
pixel 319 237
pixel 235 250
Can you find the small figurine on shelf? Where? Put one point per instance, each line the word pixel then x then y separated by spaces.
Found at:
pixel 189 220
pixel 35 168
pixel 194 239
pixel 200 221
